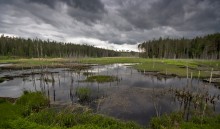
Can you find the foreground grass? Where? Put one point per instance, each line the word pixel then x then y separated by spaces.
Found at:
pixel 31 111
pixel 23 115
pixel 175 121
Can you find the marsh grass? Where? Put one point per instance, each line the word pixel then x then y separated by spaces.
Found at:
pixel 84 94
pixel 88 73
pixel 46 79
pixel 68 119
pixel 101 78
pixel 78 68
pixel 33 102
pixel 176 67
pixel 175 120
pixel 165 66
pixel 2 79
pixel 9 112
pixel 166 121
pixel 172 66
pixel 112 60
pixel 27 63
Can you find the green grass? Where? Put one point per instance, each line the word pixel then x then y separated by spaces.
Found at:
pixel 83 93
pixel 8 112
pixel 22 123
pixel 2 79
pixel 101 78
pixel 33 102
pixel 171 69
pixel 112 60
pixel 67 119
pixel 34 62
pixel 206 123
pixel 12 116
pixel 175 120
pixel 179 67
pixel 166 121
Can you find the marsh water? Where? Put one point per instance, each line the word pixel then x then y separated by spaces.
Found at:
pixel 135 96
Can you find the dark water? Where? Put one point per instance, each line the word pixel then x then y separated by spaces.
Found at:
pixel 135 96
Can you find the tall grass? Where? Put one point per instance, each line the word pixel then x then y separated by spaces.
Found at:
pixel 84 94
pixel 33 101
pixel 67 119
pixel 176 121
pixel 101 78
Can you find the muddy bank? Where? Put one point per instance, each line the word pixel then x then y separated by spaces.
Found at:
pixel 5 65
pixel 215 81
pixel 215 77
pixel 160 75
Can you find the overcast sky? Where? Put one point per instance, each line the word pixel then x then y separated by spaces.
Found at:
pixel 112 24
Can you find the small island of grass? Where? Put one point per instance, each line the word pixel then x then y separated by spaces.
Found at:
pixel 101 78
pixel 2 79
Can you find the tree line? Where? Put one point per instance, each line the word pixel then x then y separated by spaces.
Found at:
pixel 206 47
pixel 14 46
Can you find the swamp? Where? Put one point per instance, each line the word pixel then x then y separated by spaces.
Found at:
pixel 109 64
pixel 149 93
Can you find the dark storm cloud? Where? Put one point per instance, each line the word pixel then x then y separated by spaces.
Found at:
pixel 179 14
pixel 87 5
pixel 109 22
pixel 50 3
pixel 87 11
